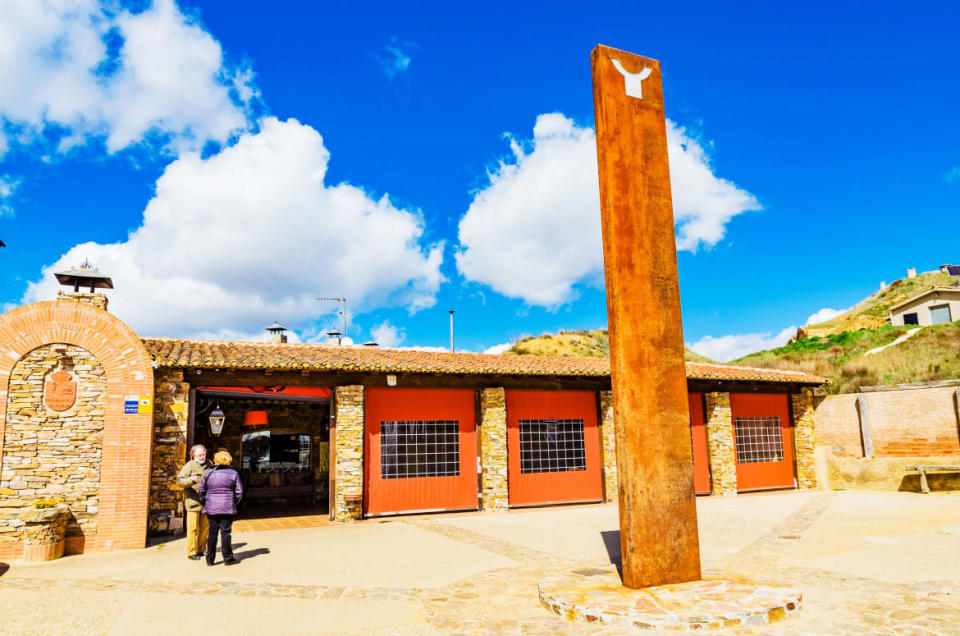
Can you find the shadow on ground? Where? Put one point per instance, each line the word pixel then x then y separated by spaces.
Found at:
pixel 611 541
pixel 3 568
pixel 249 554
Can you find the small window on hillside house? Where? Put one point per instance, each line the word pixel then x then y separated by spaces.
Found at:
pixel 940 315
pixel 911 319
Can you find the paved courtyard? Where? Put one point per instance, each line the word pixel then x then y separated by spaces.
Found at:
pixel 879 563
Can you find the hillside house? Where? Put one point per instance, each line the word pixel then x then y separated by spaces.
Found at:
pixel 932 306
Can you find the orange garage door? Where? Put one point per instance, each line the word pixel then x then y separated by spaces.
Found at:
pixel 553 447
pixel 698 436
pixel 421 450
pixel 764 441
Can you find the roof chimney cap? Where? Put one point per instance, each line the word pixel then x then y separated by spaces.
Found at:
pixel 276 327
pixel 277 332
pixel 84 275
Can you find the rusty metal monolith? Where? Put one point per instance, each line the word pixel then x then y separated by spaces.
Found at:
pixel 658 514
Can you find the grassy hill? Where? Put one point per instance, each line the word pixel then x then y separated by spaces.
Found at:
pixel 873 312
pixel 579 343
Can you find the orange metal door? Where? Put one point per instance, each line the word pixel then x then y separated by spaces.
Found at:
pixel 698 437
pixel 421 450
pixel 763 440
pixel 553 447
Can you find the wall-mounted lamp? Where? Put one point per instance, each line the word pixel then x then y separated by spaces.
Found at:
pixel 217 419
pixel 391 380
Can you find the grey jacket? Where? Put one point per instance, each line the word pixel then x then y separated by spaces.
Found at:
pixel 191 498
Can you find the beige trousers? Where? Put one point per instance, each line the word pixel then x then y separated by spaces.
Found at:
pixel 196 532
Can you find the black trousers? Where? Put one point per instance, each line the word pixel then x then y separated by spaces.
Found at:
pixel 219 525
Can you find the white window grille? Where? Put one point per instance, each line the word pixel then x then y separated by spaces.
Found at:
pixel 551 446
pixel 759 439
pixel 420 448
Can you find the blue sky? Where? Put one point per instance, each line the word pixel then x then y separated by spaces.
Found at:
pixel 227 162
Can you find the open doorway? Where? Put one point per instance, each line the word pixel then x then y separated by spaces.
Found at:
pixel 279 438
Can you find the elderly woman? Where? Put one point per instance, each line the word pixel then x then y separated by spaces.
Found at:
pixel 220 491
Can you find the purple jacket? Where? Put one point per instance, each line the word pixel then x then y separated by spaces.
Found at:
pixel 220 490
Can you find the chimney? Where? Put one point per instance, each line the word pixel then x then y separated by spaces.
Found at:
pixel 277 333
pixel 84 275
pixel 911 272
pixel 883 285
pixel 334 337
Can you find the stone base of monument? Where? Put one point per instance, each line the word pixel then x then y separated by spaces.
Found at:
pixel 596 595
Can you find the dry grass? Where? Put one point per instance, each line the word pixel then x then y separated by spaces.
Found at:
pixel 933 354
pixel 580 343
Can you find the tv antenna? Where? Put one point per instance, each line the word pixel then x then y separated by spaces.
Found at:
pixel 343 310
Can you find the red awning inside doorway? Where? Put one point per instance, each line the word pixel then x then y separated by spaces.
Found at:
pixel 285 391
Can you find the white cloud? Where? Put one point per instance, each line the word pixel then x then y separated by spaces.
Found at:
pixel 387 335
pixel 534 231
pixel 731 347
pixel 8 185
pixel 76 70
pixel 823 315
pixel 499 348
pixel 394 59
pixel 252 235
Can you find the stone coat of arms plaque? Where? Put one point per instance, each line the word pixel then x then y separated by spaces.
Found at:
pixel 60 391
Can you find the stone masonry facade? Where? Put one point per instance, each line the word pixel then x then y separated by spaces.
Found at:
pixel 493 449
pixel 721 447
pixel 608 436
pixel 53 454
pixel 169 453
pixel 348 495
pixel 804 438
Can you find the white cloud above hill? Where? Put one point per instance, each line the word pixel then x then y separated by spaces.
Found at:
pixel 733 346
pixel 76 70
pixel 534 231
pixel 232 242
pixel 823 315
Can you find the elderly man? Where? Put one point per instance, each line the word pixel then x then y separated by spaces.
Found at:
pixel 188 479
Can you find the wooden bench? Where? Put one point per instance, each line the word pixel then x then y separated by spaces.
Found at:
pixel 923 470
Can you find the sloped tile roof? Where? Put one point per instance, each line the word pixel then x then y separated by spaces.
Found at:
pixel 218 354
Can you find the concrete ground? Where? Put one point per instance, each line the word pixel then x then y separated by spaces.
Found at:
pixel 865 562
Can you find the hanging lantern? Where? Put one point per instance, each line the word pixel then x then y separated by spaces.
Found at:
pixel 216 421
pixel 255 418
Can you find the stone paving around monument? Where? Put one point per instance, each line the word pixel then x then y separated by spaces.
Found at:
pixel 879 563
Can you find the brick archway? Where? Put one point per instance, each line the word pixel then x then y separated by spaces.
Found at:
pixel 125 464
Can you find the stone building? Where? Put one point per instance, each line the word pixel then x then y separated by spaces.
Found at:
pixel 100 419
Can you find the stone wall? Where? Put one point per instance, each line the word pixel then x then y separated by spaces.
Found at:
pixel 720 444
pixel 348 497
pixel 804 438
pixel 169 453
pixel 608 437
pixel 97 300
pixel 493 449
pixel 49 453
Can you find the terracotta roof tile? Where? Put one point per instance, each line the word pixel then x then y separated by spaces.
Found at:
pixel 218 354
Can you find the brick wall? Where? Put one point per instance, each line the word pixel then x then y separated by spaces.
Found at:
pixel 908 423
pixel 124 489
pixel 838 426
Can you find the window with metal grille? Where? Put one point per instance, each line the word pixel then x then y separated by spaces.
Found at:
pixel 421 448
pixel 759 439
pixel 551 446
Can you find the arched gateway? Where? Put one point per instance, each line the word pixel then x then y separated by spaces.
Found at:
pixel 67 369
